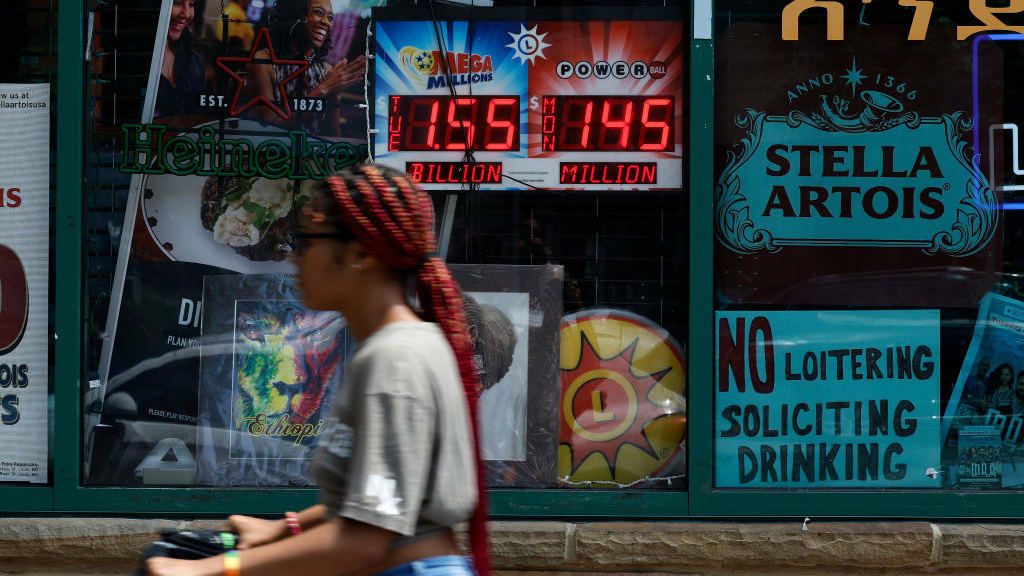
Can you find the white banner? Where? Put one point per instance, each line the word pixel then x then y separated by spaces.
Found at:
pixel 24 280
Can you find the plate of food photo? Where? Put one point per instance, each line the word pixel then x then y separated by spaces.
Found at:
pixel 240 223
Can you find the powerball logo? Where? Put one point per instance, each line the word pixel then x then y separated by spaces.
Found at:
pixel 427 67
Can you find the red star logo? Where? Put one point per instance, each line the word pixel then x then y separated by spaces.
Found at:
pixel 262 38
pixel 609 403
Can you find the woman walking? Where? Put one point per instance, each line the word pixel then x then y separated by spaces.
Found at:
pixel 398 464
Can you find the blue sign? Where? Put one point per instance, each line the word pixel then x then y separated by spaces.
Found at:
pixel 989 392
pixel 857 168
pixel 827 399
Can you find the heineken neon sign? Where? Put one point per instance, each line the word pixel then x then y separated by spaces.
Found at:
pixel 294 156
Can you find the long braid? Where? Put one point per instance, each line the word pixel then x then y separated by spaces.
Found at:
pixel 395 222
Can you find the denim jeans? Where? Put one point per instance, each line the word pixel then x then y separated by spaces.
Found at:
pixel 436 566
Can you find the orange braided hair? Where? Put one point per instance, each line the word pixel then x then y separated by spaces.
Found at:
pixel 394 220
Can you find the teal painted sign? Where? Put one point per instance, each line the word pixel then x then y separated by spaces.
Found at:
pixel 827 399
pixel 861 170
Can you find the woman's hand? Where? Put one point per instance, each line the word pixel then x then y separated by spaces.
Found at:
pixel 174 567
pixel 341 76
pixel 253 532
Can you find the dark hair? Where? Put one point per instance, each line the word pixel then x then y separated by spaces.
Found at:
pixel 992 382
pixel 394 220
pixel 287 32
pixel 182 50
pixel 494 338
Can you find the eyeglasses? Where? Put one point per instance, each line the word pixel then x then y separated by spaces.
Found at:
pixel 300 240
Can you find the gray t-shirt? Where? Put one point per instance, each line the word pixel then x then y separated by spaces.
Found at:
pixel 397 452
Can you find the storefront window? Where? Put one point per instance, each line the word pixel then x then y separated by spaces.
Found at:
pixel 867 256
pixel 617 265
pixel 561 207
pixel 580 225
pixel 205 137
pixel 27 160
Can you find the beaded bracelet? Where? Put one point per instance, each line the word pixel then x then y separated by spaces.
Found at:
pixel 291 519
pixel 232 563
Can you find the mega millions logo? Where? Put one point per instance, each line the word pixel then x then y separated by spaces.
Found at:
pixel 427 68
pixel 851 163
pixel 623 414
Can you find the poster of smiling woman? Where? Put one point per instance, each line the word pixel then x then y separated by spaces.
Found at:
pixel 247 104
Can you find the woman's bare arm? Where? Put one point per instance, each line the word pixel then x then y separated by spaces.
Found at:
pixel 312 516
pixel 333 548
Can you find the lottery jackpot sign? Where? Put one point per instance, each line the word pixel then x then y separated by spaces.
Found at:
pixel 500 105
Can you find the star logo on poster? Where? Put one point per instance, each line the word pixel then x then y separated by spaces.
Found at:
pixel 424 62
pixel 262 42
pixel 528 44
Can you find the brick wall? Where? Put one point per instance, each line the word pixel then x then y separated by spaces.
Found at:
pixel 111 545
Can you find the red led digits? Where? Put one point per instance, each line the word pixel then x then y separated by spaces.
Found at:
pixel 444 123
pixel 461 129
pixel 494 139
pixel 610 125
pixel 568 123
pixel 577 114
pixel 420 132
pixel 573 121
pixel 655 133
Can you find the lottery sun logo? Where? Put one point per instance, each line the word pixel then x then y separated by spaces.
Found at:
pixel 528 45
pixel 623 413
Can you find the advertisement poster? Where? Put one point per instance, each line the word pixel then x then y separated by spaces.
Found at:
pixel 504 365
pixel 24 281
pixel 479 64
pixel 641 59
pixel 979 462
pixel 865 168
pixel 269 368
pixel 513 314
pixel 244 109
pixel 990 388
pixel 623 406
pixel 507 105
pixel 827 399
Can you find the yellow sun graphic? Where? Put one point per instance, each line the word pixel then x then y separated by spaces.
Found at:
pixel 623 413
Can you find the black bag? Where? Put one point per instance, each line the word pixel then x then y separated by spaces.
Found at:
pixel 188 545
